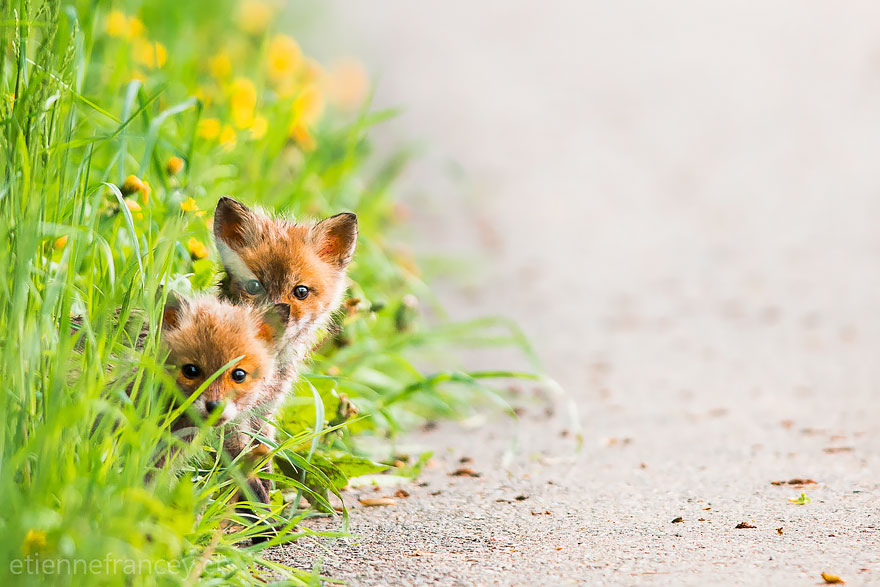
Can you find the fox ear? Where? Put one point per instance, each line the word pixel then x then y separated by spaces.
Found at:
pixel 336 237
pixel 230 220
pixel 172 311
pixel 274 323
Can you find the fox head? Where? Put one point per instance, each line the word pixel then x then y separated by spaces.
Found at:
pixel 270 260
pixel 203 334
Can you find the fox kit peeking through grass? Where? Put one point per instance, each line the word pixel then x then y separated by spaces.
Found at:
pixel 274 262
pixel 271 260
pixel 202 335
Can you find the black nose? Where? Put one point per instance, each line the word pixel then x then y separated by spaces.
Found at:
pixel 210 406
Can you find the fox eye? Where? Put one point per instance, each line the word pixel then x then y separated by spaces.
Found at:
pixel 239 375
pixel 301 292
pixel 253 287
pixel 190 371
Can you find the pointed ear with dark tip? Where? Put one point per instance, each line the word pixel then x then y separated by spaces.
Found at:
pixel 230 221
pixel 336 237
pixel 275 320
pixel 172 311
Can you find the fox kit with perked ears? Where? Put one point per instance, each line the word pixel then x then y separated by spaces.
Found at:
pixel 271 260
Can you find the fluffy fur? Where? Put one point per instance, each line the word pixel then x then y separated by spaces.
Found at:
pixel 208 333
pixel 281 255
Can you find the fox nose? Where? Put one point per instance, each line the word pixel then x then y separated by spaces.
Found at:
pixel 211 405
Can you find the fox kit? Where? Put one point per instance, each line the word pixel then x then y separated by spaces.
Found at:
pixel 271 260
pixel 203 334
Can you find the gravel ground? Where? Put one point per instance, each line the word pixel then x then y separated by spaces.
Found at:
pixel 679 203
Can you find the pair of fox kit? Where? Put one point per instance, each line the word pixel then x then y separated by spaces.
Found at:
pixel 283 281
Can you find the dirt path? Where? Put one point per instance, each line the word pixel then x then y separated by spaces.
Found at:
pixel 681 206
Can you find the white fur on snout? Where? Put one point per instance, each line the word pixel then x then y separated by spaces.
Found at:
pixel 230 411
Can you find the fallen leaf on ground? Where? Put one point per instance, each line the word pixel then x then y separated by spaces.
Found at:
pixel 701 519
pixel 829 578
pixel 464 472
pixel 464 460
pixel 836 449
pixel 795 481
pixel 779 531
pixel 742 525
pixel 677 520
pixel 521 497
pixel 376 501
pixel 438 492
pixel 401 493
pixel 616 441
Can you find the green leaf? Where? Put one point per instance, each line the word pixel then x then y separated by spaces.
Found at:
pixel 354 466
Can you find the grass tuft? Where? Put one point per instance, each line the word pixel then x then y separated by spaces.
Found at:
pixel 122 124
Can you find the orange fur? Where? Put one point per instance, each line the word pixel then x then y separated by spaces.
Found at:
pixel 208 333
pixel 281 255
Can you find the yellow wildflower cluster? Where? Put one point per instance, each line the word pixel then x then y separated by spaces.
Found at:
pixel 146 53
pixel 122 26
pixel 292 78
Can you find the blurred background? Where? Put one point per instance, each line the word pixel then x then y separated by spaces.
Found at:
pixel 703 173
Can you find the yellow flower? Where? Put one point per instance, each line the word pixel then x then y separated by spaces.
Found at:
pixel 132 185
pixel 135 27
pixel 242 102
pixel 145 193
pixel 308 105
pixel 174 166
pixel 300 133
pixel 254 16
pixel 228 137
pixel 220 65
pixel 134 208
pixel 122 26
pixel 117 24
pixel 61 242
pixel 284 58
pixel 347 84
pixel 189 205
pixel 197 248
pixel 209 128
pixel 34 540
pixel 148 53
pixel 259 127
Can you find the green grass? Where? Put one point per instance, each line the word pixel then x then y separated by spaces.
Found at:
pixel 88 99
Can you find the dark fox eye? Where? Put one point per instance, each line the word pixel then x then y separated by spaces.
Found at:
pixel 190 371
pixel 253 287
pixel 238 375
pixel 300 292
